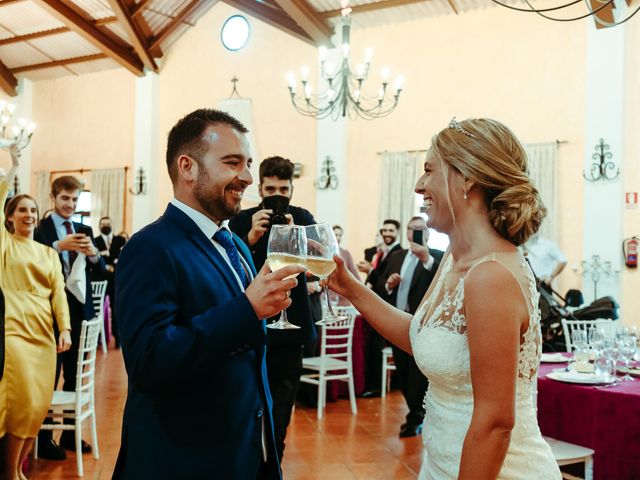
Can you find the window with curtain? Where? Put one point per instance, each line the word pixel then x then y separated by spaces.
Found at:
pixel 107 197
pixel 542 160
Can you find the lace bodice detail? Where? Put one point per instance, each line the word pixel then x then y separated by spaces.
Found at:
pixel 441 350
pixel 449 314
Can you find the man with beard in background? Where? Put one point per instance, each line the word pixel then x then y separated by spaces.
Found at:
pixel 390 233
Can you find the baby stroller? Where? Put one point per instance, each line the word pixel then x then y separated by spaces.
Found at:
pixel 553 308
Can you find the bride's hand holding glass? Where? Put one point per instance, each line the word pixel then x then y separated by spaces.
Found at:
pixel 341 281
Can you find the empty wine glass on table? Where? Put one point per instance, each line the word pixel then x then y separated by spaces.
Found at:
pixel 287 246
pixel 627 345
pixel 321 247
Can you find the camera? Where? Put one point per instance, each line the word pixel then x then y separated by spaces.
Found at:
pixel 279 204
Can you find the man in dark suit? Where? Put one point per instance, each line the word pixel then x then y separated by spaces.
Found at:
pixel 403 283
pixel 190 307
pixel 109 246
pixel 69 239
pixel 285 347
pixel 390 233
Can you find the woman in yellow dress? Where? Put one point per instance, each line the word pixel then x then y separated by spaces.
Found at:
pixel 33 285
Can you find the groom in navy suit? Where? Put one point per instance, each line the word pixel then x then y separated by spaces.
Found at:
pixel 191 310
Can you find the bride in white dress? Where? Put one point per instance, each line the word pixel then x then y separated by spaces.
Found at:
pixel 477 334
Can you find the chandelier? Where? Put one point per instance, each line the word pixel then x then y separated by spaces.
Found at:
pixel 344 95
pixel 18 135
pixel 591 10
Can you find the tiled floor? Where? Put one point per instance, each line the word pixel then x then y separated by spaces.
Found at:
pixel 341 446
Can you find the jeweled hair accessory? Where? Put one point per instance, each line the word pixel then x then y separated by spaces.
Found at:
pixel 456 126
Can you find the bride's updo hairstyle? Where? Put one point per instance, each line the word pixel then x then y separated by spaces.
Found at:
pixel 487 152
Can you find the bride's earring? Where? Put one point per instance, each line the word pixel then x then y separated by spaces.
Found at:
pixel 465 194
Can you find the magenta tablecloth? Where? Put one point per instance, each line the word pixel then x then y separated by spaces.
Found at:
pixel 337 388
pixel 604 419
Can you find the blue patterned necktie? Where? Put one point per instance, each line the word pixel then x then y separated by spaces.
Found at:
pixel 223 237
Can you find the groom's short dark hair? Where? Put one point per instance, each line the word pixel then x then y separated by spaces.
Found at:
pixel 185 136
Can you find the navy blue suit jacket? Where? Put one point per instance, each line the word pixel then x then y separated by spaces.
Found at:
pixel 47 235
pixel 194 351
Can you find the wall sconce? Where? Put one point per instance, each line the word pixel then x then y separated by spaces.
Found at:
pixel 603 170
pixel 140 184
pixel 297 170
pixel 16 185
pixel 328 178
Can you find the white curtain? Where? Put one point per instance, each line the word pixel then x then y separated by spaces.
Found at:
pixel 400 171
pixel 43 191
pixel 543 158
pixel 107 197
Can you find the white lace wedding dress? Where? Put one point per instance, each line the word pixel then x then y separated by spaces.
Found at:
pixel 439 342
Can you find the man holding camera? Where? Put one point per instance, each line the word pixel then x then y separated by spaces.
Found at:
pixel 403 283
pixel 285 347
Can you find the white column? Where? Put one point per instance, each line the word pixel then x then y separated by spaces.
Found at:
pixel 146 154
pixel 603 199
pixel 333 142
pixel 24 102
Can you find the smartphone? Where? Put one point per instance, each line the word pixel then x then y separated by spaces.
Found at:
pixel 417 236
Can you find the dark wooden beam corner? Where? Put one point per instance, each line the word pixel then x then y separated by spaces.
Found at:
pixel 8 82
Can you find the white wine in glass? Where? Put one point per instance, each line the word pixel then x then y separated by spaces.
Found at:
pixel 321 247
pixel 287 246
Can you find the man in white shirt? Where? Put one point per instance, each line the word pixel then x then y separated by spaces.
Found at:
pixel 545 258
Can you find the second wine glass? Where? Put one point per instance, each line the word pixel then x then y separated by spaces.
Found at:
pixel 321 247
pixel 287 246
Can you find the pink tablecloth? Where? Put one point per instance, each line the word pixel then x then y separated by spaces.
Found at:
pixel 604 419
pixel 361 332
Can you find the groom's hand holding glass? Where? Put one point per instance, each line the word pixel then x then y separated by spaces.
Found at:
pixel 269 291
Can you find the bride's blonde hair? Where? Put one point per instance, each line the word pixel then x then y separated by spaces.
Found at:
pixel 487 152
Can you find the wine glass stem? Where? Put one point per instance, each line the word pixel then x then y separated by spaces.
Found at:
pixel 283 316
pixel 326 296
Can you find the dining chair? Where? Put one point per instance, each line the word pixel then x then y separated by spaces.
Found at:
pixel 388 366
pixel 80 404
pixel 566 453
pixel 569 327
pixel 335 361
pixel 98 294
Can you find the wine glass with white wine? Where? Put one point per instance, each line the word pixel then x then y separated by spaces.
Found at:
pixel 287 246
pixel 321 247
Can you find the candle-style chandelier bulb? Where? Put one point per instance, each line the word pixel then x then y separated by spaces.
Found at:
pixel 17 135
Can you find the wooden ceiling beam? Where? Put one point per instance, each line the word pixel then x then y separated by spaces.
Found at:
pixel 8 82
pixel 137 9
pixel 140 42
pixel 307 17
pixel 177 20
pixel 34 35
pixel 370 7
pixel 275 18
pixel 81 24
pixel 59 63
pixel 9 2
